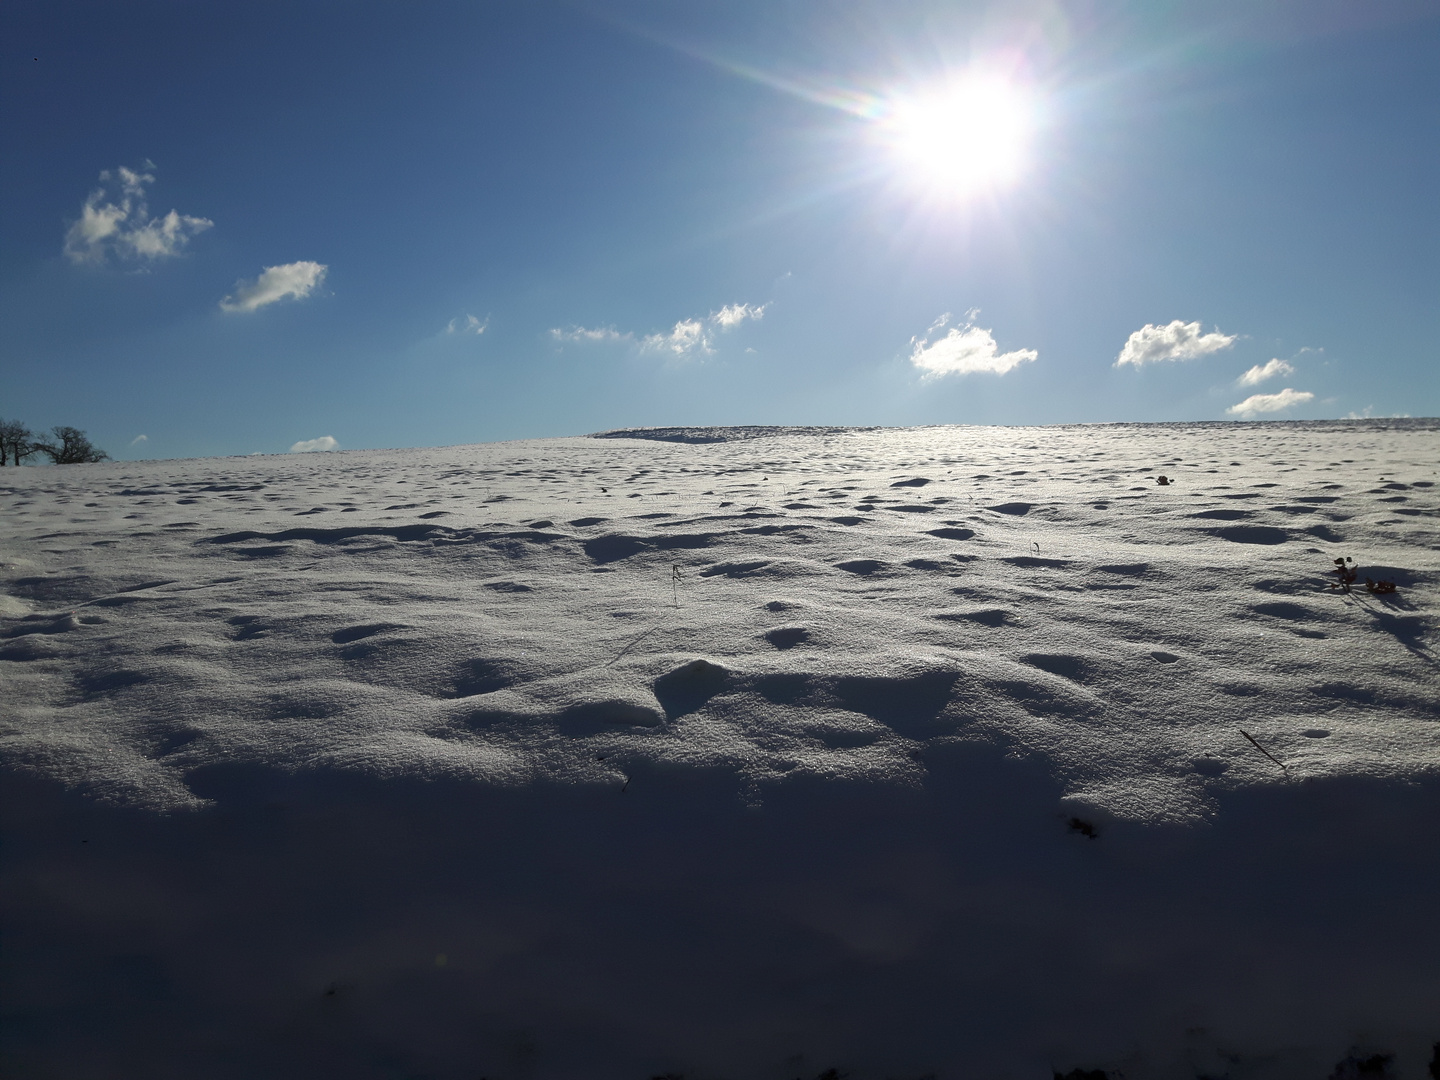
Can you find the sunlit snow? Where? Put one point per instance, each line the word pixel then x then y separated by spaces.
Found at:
pixel 989 752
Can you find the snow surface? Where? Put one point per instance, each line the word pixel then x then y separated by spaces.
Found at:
pixel 728 753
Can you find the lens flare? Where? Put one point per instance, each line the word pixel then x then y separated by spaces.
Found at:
pixel 970 135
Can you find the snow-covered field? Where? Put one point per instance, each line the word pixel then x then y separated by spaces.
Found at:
pixel 898 752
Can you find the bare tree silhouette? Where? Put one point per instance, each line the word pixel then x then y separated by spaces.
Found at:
pixel 17 442
pixel 71 447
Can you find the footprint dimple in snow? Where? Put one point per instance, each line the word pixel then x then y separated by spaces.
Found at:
pixel 733 570
pixel 688 687
pixel 29 649
pixel 590 717
pixel 863 567
pixel 43 624
pixel 1210 766
pixel 1031 562
pixel 1165 657
pixel 247 627
pixel 951 534
pixel 1062 664
pixel 1315 733
pixel 985 616
pixel 1223 515
pixel 1253 534
pixel 910 703
pixel 1018 509
pixel 355 633
pixel 481 676
pixel 787 637
pixel 98 683
pixel 508 586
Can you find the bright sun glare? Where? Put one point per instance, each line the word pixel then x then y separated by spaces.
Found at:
pixel 971 135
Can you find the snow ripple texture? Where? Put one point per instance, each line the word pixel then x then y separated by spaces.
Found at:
pixel 893 698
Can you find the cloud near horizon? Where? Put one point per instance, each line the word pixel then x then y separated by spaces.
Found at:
pixel 1269 403
pixel 122 224
pixel 687 338
pixel 1178 340
pixel 1260 372
pixel 963 351
pixel 311 446
pixel 138 439
pixel 297 279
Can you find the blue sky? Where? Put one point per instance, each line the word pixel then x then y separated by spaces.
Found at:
pixel 434 223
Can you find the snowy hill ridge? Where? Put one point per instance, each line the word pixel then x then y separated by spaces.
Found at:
pixel 953 720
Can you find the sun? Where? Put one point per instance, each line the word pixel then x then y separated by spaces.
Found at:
pixel 969 135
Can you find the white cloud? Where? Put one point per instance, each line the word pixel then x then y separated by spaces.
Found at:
pixel 470 325
pixel 687 338
pixel 963 351
pixel 119 223
pixel 1260 372
pixel 1268 403
pixel 297 279
pixel 310 446
pixel 600 333
pixel 1177 341
pixel 138 439
pixel 735 314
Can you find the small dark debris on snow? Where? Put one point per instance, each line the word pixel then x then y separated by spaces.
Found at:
pixel 1087 830
pixel 1345 574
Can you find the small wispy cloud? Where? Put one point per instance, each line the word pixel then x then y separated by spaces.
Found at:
pixel 1368 413
pixel 1256 404
pixel 297 279
pixel 116 220
pixel 964 350
pixel 1260 372
pixel 468 325
pixel 1175 341
pixel 583 334
pixel 311 446
pixel 688 338
pixel 139 440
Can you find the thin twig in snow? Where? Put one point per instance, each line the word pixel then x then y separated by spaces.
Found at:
pixel 1262 750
